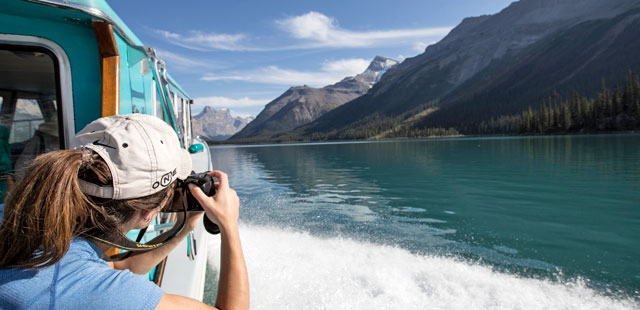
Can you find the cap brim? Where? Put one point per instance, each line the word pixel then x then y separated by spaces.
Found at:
pixel 185 166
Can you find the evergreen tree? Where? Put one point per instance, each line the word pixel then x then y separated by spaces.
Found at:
pixel 567 119
pixel 617 110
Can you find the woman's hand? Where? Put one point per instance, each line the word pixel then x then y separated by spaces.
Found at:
pixel 223 207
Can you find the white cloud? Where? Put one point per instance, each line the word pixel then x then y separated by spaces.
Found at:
pixel 233 104
pixel 179 62
pixel 330 73
pixel 323 31
pixel 421 46
pixel 346 67
pixel 197 40
pixel 225 102
pixel 313 25
pixel 241 114
pixel 310 30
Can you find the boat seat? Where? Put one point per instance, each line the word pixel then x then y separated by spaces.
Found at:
pixel 45 139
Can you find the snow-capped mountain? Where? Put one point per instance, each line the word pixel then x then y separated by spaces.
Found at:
pixel 303 104
pixel 213 124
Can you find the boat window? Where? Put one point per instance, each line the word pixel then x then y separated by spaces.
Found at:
pixel 29 109
pixel 172 95
pixel 178 105
pixel 170 116
pixel 158 110
pixel 187 112
pixel 25 122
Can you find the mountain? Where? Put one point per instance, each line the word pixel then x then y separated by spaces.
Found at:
pixel 303 104
pixel 496 65
pixel 212 124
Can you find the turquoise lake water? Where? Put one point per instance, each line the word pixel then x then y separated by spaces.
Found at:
pixel 468 223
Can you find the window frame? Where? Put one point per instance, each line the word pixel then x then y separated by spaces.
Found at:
pixel 64 89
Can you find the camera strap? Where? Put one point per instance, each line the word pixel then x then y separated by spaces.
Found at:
pixel 119 240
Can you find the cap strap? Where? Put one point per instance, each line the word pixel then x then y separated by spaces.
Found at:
pixel 95 190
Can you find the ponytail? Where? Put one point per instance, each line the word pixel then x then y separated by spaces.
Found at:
pixel 43 212
pixel 47 208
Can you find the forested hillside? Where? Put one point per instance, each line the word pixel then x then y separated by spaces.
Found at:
pixel 490 69
pixel 610 110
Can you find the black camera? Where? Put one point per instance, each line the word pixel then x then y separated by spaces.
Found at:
pixel 202 180
pixel 185 200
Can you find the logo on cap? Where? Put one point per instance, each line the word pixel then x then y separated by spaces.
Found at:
pixel 97 142
pixel 165 179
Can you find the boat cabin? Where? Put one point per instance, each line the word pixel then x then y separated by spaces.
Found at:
pixel 65 63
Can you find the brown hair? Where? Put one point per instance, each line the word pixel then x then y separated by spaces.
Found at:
pixel 47 209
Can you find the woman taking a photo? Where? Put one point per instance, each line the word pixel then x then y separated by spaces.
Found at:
pixel 123 172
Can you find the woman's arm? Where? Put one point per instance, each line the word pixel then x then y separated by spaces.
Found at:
pixel 144 262
pixel 233 287
pixel 172 302
pixel 223 209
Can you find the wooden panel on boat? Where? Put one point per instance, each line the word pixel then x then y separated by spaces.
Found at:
pixel 110 67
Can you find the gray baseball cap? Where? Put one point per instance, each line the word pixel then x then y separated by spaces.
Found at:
pixel 142 152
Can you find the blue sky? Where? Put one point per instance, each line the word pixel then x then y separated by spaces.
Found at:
pixel 242 54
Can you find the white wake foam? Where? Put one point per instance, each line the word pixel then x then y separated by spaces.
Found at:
pixel 294 270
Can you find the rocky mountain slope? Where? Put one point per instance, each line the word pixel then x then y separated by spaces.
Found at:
pixel 303 104
pixel 212 124
pixel 497 64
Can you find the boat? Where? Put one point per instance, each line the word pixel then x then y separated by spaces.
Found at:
pixel 65 63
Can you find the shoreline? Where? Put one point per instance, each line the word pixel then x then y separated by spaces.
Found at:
pixel 293 142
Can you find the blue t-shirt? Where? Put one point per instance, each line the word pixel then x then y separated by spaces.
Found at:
pixel 81 280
